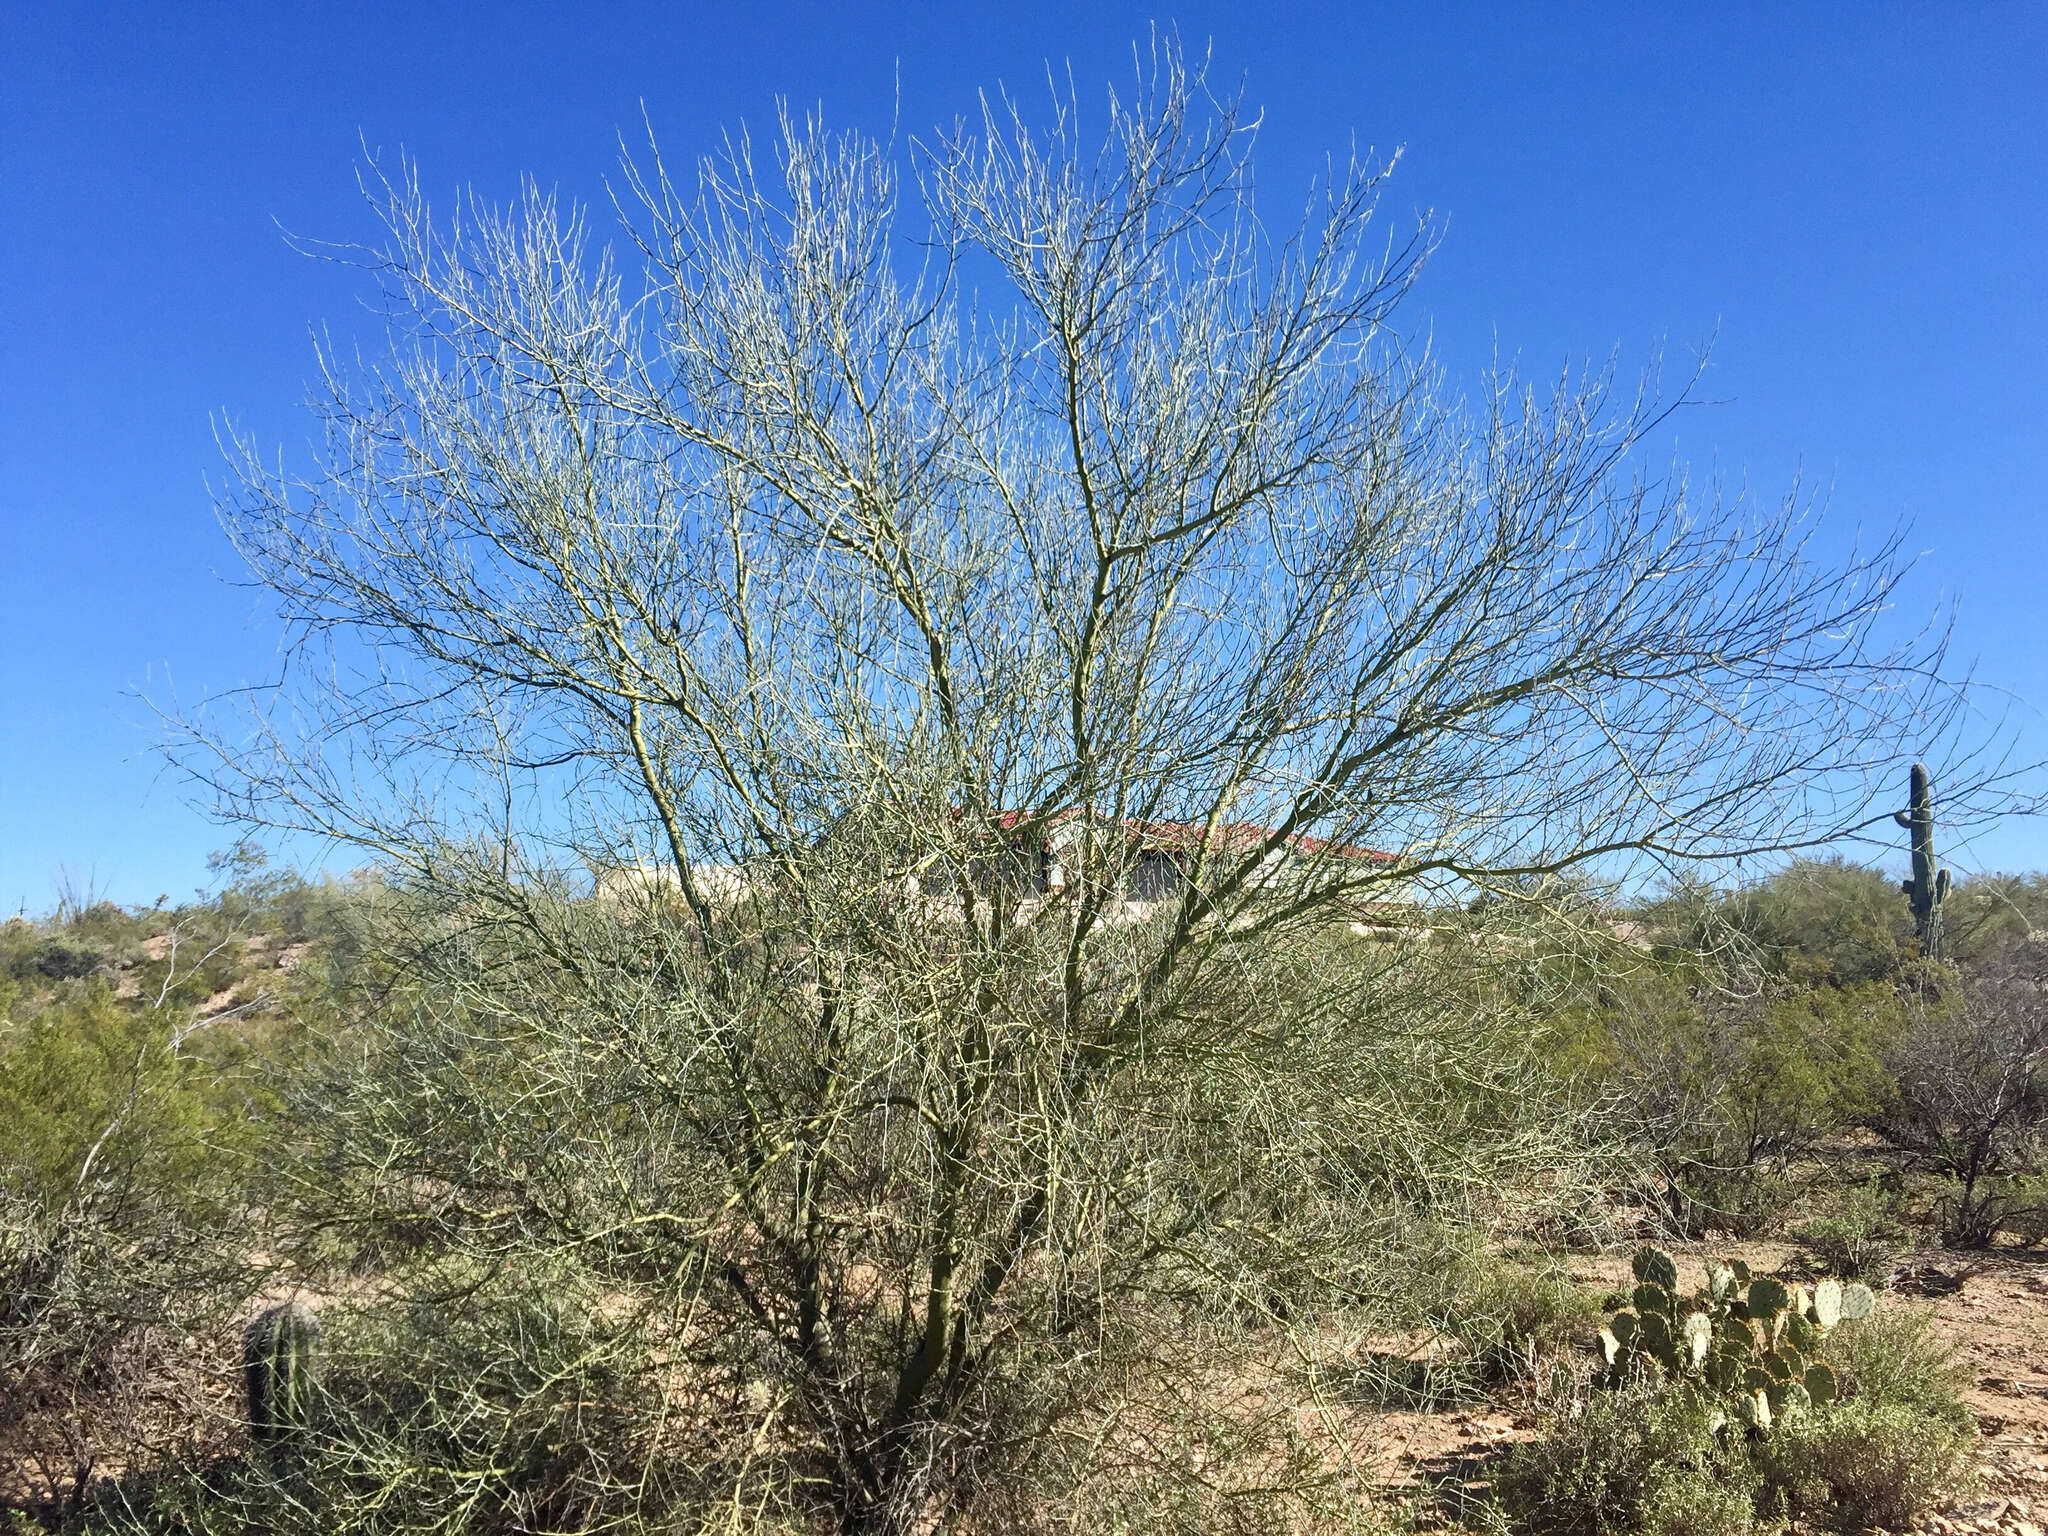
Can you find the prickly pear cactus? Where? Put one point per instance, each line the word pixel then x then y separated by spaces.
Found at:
pixel 1747 1342
pixel 280 1352
pixel 1653 1266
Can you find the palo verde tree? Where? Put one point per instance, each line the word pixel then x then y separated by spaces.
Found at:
pixel 718 638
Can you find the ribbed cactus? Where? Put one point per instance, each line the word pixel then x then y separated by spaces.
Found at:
pixel 1929 885
pixel 1746 1344
pixel 280 1351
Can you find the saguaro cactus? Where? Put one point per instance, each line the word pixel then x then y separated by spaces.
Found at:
pixel 279 1351
pixel 1929 885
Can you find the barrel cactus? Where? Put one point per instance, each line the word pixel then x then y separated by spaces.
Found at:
pixel 280 1353
pixel 1749 1343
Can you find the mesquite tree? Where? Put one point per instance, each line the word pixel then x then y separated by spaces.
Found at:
pixel 719 638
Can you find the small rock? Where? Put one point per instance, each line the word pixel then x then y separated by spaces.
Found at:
pixel 1978 1512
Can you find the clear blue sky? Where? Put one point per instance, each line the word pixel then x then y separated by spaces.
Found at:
pixel 1853 198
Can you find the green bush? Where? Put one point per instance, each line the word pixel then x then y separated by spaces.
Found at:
pixel 1858 1236
pixel 65 959
pixel 1976 1213
pixel 1816 921
pixel 207 965
pixel 1508 1314
pixel 2025 1219
pixel 1900 1438
pixel 1660 1461
pixel 111 925
pixel 1741 1202
pixel 1494 1320
pixel 125 1140
pixel 1490 1319
pixel 1970 1070
pixel 1813 1065
pixel 1894 1358
pixel 1864 1464
pixel 1987 913
pixel 88 1078
pixel 1725 1093
pixel 1681 1501
pixel 1640 1459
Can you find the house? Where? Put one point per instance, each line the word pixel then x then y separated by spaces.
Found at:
pixel 1155 859
pixel 1045 857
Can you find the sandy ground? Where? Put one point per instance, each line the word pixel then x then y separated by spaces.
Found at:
pixel 1993 1308
pixel 1998 1321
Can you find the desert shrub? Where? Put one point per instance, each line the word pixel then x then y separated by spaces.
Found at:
pixel 1477 1318
pixel 1762 1030
pixel 1971 1074
pixel 1720 1092
pixel 1989 913
pixel 1977 1213
pixel 205 962
pixel 1814 922
pixel 254 897
pixel 1825 921
pixel 109 924
pixel 62 959
pixel 1858 1235
pixel 89 1079
pixel 120 1153
pixel 469 1402
pixel 1508 1314
pixel 1894 1358
pixel 1815 1067
pixel 1746 1401
pixel 1742 1200
pixel 1619 1461
pixel 2024 1213
pixel 71 945
pixel 1656 1459
pixel 312 911
pixel 1864 1464
pixel 383 1087
pixel 1679 1501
